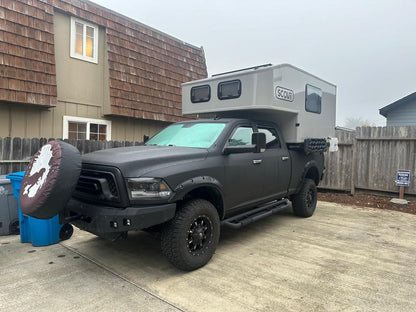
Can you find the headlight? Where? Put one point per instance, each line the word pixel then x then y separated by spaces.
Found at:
pixel 148 188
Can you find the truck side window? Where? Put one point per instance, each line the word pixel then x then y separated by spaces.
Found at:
pixel 272 138
pixel 242 136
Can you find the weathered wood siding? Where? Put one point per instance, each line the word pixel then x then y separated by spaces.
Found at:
pixel 27 61
pixel 369 158
pixel 139 72
pixel 145 66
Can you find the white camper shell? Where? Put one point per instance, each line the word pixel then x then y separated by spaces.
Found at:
pixel 301 104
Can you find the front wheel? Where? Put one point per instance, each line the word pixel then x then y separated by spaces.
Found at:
pixel 189 240
pixel 304 203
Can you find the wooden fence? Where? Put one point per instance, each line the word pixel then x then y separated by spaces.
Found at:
pixel 368 159
pixel 15 153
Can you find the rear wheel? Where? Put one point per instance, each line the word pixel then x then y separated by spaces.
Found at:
pixel 189 240
pixel 304 203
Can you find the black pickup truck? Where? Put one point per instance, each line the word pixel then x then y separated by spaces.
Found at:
pixel 191 178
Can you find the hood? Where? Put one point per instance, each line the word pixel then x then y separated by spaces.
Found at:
pixel 136 161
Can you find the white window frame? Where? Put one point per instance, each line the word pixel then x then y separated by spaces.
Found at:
pixel 88 121
pixel 82 56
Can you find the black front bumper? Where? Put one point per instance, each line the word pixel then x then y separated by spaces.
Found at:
pixel 110 222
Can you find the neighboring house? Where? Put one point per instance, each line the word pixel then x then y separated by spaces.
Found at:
pixel 401 112
pixel 73 69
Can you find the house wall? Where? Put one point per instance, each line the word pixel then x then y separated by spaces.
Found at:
pixel 404 115
pixel 31 122
pixel 83 91
pixel 18 120
pixel 136 83
pixel 27 65
pixel 79 81
pixel 146 66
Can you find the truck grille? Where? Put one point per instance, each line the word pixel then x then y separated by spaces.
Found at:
pixel 98 184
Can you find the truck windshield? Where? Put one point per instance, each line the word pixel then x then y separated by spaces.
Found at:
pixel 201 135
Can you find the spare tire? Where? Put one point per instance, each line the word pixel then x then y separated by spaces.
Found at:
pixel 50 179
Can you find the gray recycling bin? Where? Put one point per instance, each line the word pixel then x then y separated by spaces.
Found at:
pixel 9 214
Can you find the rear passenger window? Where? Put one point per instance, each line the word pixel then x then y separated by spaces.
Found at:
pixel 272 138
pixel 313 99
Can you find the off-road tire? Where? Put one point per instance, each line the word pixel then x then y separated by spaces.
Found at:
pixel 189 240
pixel 304 202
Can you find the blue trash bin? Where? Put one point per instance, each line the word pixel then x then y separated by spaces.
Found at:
pixel 39 232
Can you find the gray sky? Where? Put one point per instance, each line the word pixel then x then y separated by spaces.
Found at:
pixel 366 47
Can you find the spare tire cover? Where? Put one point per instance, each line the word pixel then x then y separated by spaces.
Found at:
pixel 50 179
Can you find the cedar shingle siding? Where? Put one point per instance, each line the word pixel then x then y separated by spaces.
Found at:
pixel 146 67
pixel 27 61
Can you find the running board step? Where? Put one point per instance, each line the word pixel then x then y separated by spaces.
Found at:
pixel 245 218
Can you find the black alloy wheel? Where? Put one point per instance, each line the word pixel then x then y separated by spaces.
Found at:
pixel 304 202
pixel 189 240
pixel 199 234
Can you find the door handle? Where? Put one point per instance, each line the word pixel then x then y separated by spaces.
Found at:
pixel 257 161
pixel 285 158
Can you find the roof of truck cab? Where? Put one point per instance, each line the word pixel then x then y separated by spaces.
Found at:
pixel 218 120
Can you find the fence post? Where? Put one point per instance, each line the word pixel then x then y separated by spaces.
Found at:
pixel 354 164
pixel 7 153
pixel 34 146
pixel 17 153
pixel 1 155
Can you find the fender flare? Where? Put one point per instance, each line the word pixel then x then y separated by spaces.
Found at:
pixel 187 186
pixel 309 165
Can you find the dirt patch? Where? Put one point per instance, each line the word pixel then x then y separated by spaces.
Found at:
pixel 363 200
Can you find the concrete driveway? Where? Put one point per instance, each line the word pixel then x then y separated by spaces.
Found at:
pixel 341 259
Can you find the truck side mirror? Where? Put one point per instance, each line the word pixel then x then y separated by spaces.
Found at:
pixel 145 138
pixel 258 139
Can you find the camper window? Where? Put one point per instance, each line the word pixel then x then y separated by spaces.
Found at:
pixel 200 94
pixel 313 99
pixel 229 89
